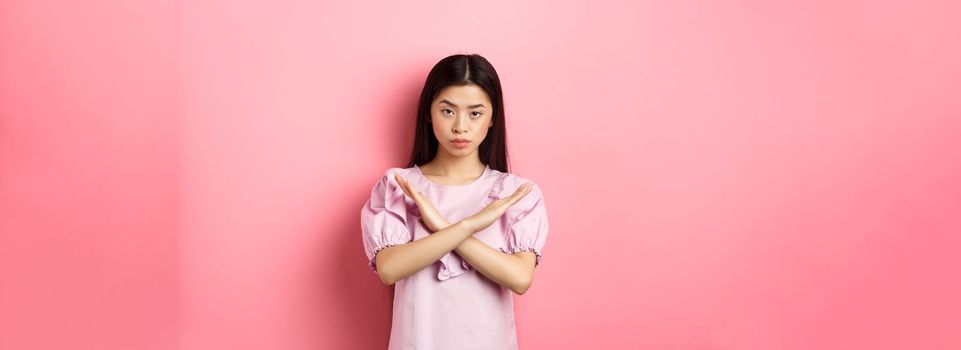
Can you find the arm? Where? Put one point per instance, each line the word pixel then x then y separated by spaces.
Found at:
pixel 399 261
pixel 514 271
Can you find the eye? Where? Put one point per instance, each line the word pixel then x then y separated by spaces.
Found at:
pixel 477 115
pixel 446 109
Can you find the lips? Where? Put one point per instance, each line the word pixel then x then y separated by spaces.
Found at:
pixel 460 140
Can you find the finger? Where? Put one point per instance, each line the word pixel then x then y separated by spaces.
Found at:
pixel 521 192
pixel 413 191
pixel 400 183
pixel 409 189
pixel 403 185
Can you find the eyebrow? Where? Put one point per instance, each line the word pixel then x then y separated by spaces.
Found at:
pixel 471 106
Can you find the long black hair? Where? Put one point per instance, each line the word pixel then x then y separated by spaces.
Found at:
pixel 462 70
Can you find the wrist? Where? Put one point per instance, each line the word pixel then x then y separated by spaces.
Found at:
pixel 466 224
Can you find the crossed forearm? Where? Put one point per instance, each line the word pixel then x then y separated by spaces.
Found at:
pixel 508 270
pixel 397 262
pixel 514 272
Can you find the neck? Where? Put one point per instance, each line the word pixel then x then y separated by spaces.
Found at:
pixel 444 164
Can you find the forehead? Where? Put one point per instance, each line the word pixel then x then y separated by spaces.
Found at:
pixel 463 95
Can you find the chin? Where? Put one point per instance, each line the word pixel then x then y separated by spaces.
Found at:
pixel 460 151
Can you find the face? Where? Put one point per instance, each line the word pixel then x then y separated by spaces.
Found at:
pixel 461 113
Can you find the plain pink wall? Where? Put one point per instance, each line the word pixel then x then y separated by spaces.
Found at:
pixel 88 176
pixel 720 175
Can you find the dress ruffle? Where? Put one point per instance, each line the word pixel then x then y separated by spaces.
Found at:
pixel 384 218
pixel 452 264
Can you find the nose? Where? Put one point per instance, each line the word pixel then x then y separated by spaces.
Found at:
pixel 460 125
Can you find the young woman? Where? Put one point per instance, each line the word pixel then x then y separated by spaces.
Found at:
pixel 455 232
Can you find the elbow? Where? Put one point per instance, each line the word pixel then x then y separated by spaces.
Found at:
pixel 386 277
pixel 521 286
pixel 387 281
pixel 522 280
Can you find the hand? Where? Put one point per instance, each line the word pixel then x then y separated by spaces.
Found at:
pixel 496 209
pixel 428 214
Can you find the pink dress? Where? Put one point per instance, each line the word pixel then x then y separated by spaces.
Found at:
pixel 449 305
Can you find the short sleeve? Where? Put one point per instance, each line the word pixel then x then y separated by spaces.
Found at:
pixel 383 219
pixel 528 225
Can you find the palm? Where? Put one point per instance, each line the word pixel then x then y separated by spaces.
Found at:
pixel 496 209
pixel 428 213
pixel 479 221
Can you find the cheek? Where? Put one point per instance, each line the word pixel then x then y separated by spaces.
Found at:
pixel 485 125
pixel 438 127
pixel 438 119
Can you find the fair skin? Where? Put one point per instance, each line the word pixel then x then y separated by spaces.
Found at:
pixel 458 112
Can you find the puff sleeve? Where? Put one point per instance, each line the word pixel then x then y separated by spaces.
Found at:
pixel 528 225
pixel 383 219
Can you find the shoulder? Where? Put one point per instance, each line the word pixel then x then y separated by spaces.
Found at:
pixel 512 181
pixel 387 180
pixel 389 173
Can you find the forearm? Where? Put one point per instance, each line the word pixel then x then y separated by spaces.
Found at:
pixel 399 261
pixel 508 270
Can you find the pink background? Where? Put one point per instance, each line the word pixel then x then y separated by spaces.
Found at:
pixel 719 175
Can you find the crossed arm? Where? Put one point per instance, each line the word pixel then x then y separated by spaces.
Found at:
pixel 513 271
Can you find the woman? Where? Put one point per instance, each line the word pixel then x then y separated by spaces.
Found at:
pixel 455 232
